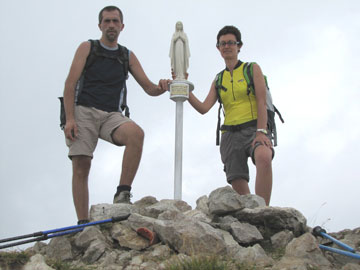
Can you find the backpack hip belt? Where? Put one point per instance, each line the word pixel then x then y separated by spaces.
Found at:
pixel 239 127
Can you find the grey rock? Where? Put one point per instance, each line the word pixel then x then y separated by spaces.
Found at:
pixel 107 211
pixel 271 220
pixel 126 237
pixel 140 205
pixel 281 239
pixel 60 248
pixel 226 200
pixel 351 266
pixel 165 205
pixel 254 255
pixel 226 221
pixel 291 263
pixel 232 247
pixel 137 221
pixel 202 204
pixel 198 215
pixel 245 234
pixel 190 236
pixel 88 235
pixel 171 215
pixel 94 252
pixel 37 262
pixel 306 247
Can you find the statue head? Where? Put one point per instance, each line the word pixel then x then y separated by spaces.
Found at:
pixel 179 26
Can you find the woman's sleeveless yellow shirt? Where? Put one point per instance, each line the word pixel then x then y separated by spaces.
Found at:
pixel 238 105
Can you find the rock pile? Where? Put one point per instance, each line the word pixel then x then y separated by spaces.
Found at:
pixel 231 226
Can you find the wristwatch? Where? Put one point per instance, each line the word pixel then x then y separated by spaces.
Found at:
pixel 262 131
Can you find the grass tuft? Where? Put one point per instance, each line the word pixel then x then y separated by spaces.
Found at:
pixel 14 259
pixel 207 263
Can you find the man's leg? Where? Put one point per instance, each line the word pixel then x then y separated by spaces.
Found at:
pixel 81 169
pixel 263 186
pixel 132 136
pixel 241 186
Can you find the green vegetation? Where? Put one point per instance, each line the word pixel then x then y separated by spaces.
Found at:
pixel 60 265
pixel 14 259
pixel 276 254
pixel 208 263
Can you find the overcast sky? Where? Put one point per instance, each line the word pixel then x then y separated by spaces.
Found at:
pixel 308 49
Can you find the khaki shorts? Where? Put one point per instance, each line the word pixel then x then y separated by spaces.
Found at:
pixel 235 149
pixel 93 124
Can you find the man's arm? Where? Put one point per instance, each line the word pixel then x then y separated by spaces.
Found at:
pixel 76 69
pixel 140 76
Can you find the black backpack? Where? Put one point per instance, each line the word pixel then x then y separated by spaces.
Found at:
pixel 122 57
pixel 271 109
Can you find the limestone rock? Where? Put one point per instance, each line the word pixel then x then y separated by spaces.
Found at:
pixel 60 248
pixel 306 247
pixel 253 255
pixel 190 236
pixel 107 211
pixel 281 239
pixel 225 200
pixel 37 262
pixel 128 238
pixel 245 234
pixel 88 235
pixel 271 220
pixel 165 205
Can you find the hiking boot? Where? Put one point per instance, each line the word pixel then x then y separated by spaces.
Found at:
pixel 123 197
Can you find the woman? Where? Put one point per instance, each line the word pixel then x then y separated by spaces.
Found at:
pixel 244 133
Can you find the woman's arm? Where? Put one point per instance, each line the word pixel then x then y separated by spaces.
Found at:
pixel 210 100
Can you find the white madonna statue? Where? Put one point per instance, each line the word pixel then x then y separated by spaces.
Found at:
pixel 179 52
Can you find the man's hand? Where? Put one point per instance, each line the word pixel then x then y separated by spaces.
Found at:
pixel 164 85
pixel 71 130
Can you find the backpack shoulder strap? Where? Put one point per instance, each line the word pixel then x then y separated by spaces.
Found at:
pixel 218 87
pixel 94 47
pixel 218 84
pixel 123 58
pixel 249 77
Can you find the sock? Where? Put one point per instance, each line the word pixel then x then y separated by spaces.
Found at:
pixel 122 188
pixel 83 221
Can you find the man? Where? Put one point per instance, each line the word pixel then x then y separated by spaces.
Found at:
pixel 94 112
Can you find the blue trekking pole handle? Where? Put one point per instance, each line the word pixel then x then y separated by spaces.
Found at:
pixel 339 251
pixel 318 231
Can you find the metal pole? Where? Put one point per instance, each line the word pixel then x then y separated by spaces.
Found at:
pixel 179 92
pixel 178 150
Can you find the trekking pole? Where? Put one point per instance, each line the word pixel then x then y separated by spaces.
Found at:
pixel 44 235
pixel 40 238
pixel 350 252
